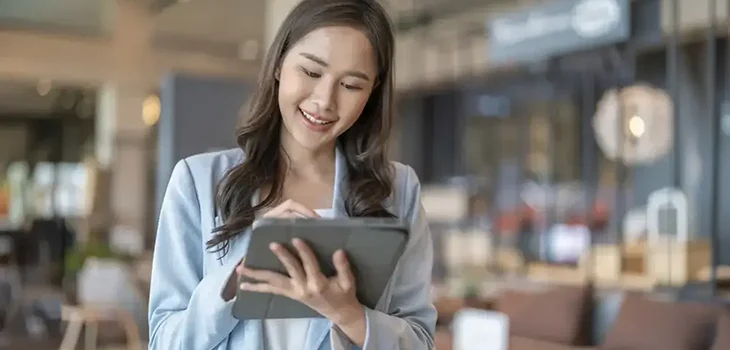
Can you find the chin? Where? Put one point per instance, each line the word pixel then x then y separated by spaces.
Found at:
pixel 310 136
pixel 310 144
pixel 308 140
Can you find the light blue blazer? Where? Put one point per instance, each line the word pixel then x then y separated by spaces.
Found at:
pixel 186 310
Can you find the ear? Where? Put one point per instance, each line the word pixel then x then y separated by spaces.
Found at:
pixel 277 73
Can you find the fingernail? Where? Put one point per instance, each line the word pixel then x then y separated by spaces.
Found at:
pixel 244 285
pixel 274 246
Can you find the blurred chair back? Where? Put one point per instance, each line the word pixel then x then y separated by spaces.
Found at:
pixel 6 250
pixel 10 279
pixel 47 244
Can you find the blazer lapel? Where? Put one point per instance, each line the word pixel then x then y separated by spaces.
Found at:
pixel 341 184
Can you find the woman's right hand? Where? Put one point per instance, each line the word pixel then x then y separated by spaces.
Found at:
pixel 287 209
pixel 290 209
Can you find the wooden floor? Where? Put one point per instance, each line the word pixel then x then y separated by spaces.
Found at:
pixel 53 344
pixel 18 340
pixel 15 338
pixel 18 343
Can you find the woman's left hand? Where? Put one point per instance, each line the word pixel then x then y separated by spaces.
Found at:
pixel 333 297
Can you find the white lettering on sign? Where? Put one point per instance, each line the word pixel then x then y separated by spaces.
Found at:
pixel 592 18
pixel 588 19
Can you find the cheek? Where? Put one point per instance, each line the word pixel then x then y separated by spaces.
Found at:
pixel 351 105
pixel 292 90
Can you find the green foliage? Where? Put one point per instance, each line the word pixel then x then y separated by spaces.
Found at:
pixel 76 258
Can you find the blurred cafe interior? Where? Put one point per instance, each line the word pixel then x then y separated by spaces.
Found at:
pixel 571 154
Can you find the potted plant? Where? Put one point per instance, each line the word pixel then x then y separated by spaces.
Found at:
pixel 77 258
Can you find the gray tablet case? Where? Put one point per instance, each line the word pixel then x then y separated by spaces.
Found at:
pixel 373 247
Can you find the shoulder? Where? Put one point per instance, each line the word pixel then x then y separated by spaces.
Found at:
pixel 406 189
pixel 404 176
pixel 199 174
pixel 213 163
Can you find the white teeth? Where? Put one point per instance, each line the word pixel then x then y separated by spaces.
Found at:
pixel 313 119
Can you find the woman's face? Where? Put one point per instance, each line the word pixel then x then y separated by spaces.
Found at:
pixel 325 81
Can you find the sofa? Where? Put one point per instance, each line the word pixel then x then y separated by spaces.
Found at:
pixel 581 318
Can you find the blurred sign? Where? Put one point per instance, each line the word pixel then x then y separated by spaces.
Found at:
pixel 557 28
pixel 481 104
pixel 480 329
pixel 445 203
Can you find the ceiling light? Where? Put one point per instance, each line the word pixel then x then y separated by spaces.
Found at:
pixel 637 126
pixel 151 108
pixel 43 87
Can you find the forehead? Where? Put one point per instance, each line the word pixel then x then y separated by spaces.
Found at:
pixel 340 46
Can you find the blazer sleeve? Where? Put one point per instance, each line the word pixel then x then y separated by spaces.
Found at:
pixel 411 320
pixel 186 310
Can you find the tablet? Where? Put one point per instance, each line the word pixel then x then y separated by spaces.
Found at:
pixel 373 247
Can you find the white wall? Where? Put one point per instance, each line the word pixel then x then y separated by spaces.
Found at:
pixel 276 11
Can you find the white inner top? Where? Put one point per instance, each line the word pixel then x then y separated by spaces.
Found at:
pixel 290 334
pixel 326 213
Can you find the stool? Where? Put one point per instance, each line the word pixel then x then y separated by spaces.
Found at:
pixel 90 316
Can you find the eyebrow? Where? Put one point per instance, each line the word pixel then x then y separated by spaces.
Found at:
pixel 323 63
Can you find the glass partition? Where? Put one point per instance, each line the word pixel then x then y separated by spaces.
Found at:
pixel 86 17
pixel 530 158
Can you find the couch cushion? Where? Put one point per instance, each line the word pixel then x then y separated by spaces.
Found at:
pixel 522 343
pixel 443 339
pixel 722 333
pixel 657 325
pixel 560 315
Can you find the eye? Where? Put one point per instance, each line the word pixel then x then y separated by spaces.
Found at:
pixel 310 73
pixel 351 87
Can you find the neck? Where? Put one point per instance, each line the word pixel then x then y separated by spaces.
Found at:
pixel 305 163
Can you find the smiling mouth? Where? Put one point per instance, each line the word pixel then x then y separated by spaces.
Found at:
pixel 314 119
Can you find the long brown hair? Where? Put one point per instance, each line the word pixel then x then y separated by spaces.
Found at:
pixel 363 145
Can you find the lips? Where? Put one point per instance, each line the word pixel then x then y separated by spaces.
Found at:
pixel 315 123
pixel 315 119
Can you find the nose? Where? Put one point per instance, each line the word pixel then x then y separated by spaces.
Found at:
pixel 324 95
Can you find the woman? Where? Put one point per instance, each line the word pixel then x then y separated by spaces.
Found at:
pixel 313 144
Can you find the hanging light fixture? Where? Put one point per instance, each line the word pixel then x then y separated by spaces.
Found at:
pixel 43 87
pixel 151 108
pixel 637 126
pixel 646 115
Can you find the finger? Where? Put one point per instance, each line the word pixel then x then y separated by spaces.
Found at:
pixel 239 267
pixel 309 260
pixel 290 262
pixel 277 211
pixel 264 276
pixel 345 277
pixel 282 215
pixel 263 288
pixel 300 209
